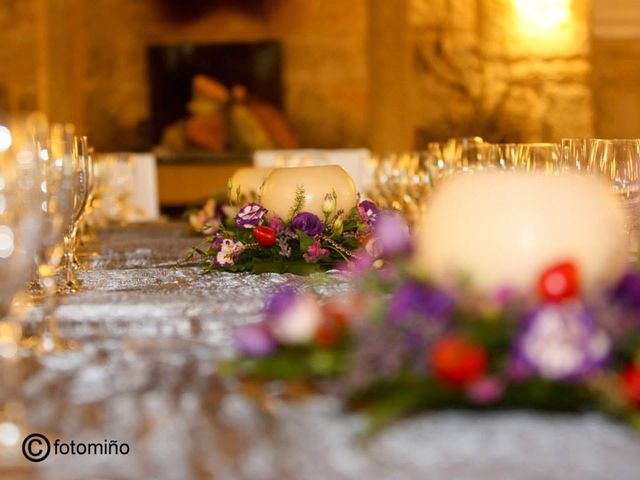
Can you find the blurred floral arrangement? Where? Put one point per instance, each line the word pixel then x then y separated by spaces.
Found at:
pixel 400 344
pixel 246 239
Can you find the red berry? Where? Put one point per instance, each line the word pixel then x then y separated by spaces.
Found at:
pixel 630 381
pixel 265 236
pixel 559 282
pixel 457 361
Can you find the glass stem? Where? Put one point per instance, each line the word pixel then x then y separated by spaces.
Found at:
pixel 48 335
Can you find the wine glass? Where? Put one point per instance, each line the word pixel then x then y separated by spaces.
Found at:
pixel 538 157
pixel 576 154
pixel 502 156
pixel 618 161
pixel 82 177
pixel 57 165
pixel 20 222
pixel 465 154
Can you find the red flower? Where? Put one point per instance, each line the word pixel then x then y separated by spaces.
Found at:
pixel 559 282
pixel 265 236
pixel 457 361
pixel 630 381
pixel 333 325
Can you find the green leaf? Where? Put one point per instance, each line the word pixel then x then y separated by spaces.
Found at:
pixel 305 240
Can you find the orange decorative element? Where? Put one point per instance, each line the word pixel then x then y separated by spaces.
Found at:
pixel 559 282
pixel 630 381
pixel 457 361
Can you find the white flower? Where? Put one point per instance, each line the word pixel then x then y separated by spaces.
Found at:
pixel 297 325
pixel 229 250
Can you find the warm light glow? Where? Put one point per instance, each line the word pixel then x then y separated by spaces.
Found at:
pixel 543 15
pixel 6 241
pixel 5 139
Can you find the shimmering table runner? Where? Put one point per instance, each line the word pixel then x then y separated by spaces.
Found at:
pixel 152 328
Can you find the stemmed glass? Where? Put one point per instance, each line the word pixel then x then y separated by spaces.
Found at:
pixel 465 154
pixel 82 178
pixel 57 166
pixel 538 157
pixel 20 222
pixel 618 161
pixel 502 156
pixel 576 154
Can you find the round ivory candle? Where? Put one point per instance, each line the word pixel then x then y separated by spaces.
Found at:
pixel 249 181
pixel 280 188
pixel 501 230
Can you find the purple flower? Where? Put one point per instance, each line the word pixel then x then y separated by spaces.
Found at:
pixel 292 318
pixel 308 223
pixel 255 340
pixel 250 215
pixel 280 302
pixel 276 223
pixel 228 252
pixel 368 212
pixel 314 252
pixel 627 292
pixel 562 342
pixel 392 231
pixel 414 300
pixel 485 391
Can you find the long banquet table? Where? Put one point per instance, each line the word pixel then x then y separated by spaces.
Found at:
pixel 151 329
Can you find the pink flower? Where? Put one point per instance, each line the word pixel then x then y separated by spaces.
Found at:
pixel 276 223
pixel 314 252
pixel 485 390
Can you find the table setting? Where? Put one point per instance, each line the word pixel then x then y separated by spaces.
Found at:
pixel 473 313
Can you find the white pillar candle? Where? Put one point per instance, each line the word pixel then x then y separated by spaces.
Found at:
pixel 281 186
pixel 503 229
pixel 248 182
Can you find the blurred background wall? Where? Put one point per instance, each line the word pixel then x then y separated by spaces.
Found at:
pixel 389 74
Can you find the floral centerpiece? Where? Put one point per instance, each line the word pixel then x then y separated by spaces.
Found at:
pixel 400 344
pixel 404 341
pixel 245 238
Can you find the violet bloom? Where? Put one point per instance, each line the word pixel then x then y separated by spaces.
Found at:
pixel 276 223
pixel 627 292
pixel 314 252
pixel 368 211
pixel 308 223
pixel 279 302
pixel 250 216
pixel 392 231
pixel 562 342
pixel 414 300
pixel 254 340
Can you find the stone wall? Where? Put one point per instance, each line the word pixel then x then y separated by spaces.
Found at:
pixel 616 67
pixel 482 68
pixel 384 73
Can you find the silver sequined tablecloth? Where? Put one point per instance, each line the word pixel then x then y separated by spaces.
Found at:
pixel 152 328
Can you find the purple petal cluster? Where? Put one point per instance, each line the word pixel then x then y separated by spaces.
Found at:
pixel 308 223
pixel 255 340
pixel 562 342
pixel 368 211
pixel 392 232
pixel 627 293
pixel 414 300
pixel 250 216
